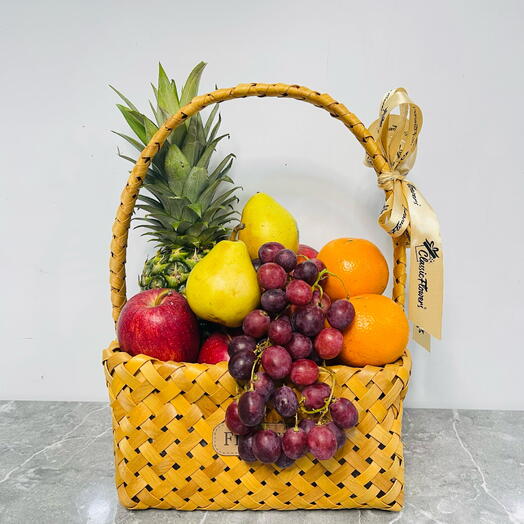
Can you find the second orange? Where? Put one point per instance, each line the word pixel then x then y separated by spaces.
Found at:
pixel 359 265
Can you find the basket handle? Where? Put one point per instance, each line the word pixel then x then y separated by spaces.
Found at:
pixel 117 272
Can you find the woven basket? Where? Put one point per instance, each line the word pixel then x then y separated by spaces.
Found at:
pixel 164 413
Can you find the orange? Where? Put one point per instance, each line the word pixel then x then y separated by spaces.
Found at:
pixel 378 334
pixel 359 265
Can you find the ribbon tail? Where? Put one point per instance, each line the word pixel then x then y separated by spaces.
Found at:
pixel 422 338
pixel 426 267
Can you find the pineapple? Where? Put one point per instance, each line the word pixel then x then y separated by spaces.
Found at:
pixel 186 212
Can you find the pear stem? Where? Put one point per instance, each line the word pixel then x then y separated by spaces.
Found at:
pixel 236 231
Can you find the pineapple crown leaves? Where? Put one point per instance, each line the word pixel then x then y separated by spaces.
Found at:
pixel 186 206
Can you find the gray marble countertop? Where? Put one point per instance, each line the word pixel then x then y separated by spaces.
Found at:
pixel 56 466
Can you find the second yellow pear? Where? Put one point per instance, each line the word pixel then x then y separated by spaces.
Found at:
pixel 265 220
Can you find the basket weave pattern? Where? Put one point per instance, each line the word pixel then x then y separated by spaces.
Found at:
pixel 164 413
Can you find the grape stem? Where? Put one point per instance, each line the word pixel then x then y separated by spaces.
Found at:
pixel 259 350
pixel 324 409
pixel 321 275
pixel 328 402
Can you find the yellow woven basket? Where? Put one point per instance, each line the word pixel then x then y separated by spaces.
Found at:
pixel 164 413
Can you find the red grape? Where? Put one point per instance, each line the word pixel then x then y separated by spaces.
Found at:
pixel 273 300
pixel 287 259
pixel 283 461
pixel 299 292
pixel 294 443
pixel 323 302
pixel 299 346
pixel 309 320
pixel 305 252
pixel 263 384
pixel 339 434
pixel 271 276
pixel 267 251
pixel 241 343
pixel 306 271
pixel 303 372
pixel 322 442
pixel 318 263
pixel 344 413
pixel 267 446
pixel 280 331
pixel 341 314
pixel 233 421
pixel 328 343
pixel 240 364
pixel 251 408
pixel 307 424
pixel 256 263
pixel 315 395
pixel 285 401
pixel 276 362
pixel 256 323
pixel 245 448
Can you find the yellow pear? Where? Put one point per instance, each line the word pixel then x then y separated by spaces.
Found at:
pixel 223 286
pixel 265 220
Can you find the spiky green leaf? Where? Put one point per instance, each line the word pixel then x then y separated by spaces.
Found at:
pixel 190 88
pixel 135 143
pixel 215 129
pixel 130 104
pixel 196 208
pixel 177 168
pixel 160 115
pixel 135 121
pixel 222 169
pixel 210 119
pixel 192 144
pixel 128 158
pixel 205 157
pixel 167 96
pixel 150 128
pixel 195 183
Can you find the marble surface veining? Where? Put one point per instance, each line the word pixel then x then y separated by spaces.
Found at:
pixel 56 466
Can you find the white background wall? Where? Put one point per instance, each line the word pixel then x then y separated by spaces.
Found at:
pixel 460 61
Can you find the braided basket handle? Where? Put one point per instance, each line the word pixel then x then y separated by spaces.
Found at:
pixel 129 194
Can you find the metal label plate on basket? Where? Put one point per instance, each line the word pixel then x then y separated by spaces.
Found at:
pixel 226 443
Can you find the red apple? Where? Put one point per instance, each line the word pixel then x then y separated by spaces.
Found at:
pixel 305 252
pixel 160 324
pixel 214 349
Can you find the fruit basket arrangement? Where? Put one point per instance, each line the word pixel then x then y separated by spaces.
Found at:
pixel 252 371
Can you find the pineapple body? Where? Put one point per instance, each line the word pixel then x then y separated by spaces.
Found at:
pixel 170 268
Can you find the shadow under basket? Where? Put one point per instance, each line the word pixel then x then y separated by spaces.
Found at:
pixel 164 414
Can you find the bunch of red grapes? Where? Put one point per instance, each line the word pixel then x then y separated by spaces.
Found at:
pixel 286 344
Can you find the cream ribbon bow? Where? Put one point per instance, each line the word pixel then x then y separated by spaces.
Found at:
pixel 406 212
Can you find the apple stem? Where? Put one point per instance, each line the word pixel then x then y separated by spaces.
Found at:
pixel 160 297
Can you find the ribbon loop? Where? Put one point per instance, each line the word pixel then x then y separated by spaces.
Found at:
pixel 406 211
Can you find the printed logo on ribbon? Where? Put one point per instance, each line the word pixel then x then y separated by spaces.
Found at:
pixel 425 254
